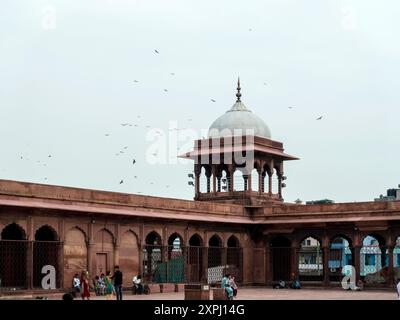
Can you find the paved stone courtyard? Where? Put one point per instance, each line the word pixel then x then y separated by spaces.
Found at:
pixel 267 294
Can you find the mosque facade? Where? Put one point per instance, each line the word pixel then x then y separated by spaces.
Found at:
pixel 238 223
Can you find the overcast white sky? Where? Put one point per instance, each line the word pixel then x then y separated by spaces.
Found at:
pixel 67 71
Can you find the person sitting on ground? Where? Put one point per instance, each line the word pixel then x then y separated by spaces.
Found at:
pixel 233 285
pixel 101 284
pixel 76 284
pixel 137 284
pixel 296 284
pixel 228 289
pixel 96 285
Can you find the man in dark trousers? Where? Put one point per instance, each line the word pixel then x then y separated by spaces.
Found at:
pixel 117 277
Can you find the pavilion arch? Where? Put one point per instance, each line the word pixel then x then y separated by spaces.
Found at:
pixel 175 246
pixel 173 237
pixel 379 237
pixel 233 242
pixel 153 238
pixel 223 177
pixel 280 250
pixel 195 258
pixel 267 174
pixel 238 180
pixel 46 233
pixel 196 240
pixel 75 253
pixel 13 256
pixel 215 251
pixel 13 231
pixel 312 236
pixel 310 259
pixel 46 251
pixel 104 250
pixel 343 236
pixel 215 241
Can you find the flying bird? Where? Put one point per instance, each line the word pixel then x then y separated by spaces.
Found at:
pixel 125 147
pixel 121 182
pixel 213 100
pixel 319 118
pixel 133 162
pixel 172 74
pixel 107 134
pixel 156 51
pixel 135 81
pixel 290 107
pixel 165 90
pixel 190 183
pixel 49 155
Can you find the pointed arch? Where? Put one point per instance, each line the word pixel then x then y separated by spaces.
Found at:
pixel 13 231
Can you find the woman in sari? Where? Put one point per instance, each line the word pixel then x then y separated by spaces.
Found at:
pixel 108 285
pixel 85 289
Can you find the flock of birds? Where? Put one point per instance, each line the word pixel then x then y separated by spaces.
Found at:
pixel 125 148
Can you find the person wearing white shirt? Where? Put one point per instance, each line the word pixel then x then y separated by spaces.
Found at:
pixel 137 283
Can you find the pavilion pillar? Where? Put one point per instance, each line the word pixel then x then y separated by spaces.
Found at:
pixel 260 182
pixel 60 273
pixel 270 183
pixel 197 182
pixel 218 184
pixel 204 273
pixel 246 182
pixel 230 180
pixel 357 262
pixel 325 254
pixel 249 179
pixel 280 186
pixel 29 265
pixel 268 269
pixel 295 262
pixel 390 279
pixel 116 255
pixel 90 251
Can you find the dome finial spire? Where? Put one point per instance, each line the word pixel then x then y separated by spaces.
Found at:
pixel 238 94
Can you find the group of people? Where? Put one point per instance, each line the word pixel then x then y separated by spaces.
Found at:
pixel 229 284
pixel 105 284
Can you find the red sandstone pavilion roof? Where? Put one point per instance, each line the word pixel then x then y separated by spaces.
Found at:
pixel 14 194
pixel 245 144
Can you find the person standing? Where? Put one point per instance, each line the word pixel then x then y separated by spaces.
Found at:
pixel 85 289
pixel 109 287
pixel 117 277
pixel 398 289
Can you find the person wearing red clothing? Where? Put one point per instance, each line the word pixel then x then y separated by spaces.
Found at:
pixel 85 288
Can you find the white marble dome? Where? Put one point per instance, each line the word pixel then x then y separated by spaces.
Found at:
pixel 239 121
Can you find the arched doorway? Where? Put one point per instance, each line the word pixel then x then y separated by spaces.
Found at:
pixel 75 254
pixel 310 260
pixel 340 258
pixel 129 257
pixel 152 255
pixel 45 253
pixel 13 257
pixel 195 258
pixel 104 246
pixel 175 264
pixel 214 251
pixel 374 259
pixel 281 258
pixel 234 257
